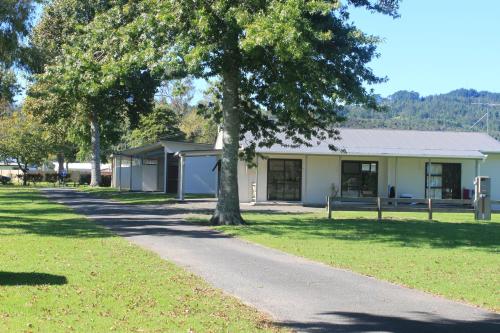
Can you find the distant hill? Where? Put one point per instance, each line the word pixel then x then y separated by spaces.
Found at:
pixel 457 110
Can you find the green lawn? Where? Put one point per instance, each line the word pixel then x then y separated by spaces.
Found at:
pixel 61 273
pixel 453 256
pixel 136 198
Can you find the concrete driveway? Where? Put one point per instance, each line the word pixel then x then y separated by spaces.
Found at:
pixel 298 293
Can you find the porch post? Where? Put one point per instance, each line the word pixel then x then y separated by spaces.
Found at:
pixel 217 178
pixel 257 179
pixel 181 177
pixel 429 177
pixel 478 168
pixel 165 172
pixel 131 168
pixel 339 190
pixel 120 174
pixel 304 197
pixel 396 182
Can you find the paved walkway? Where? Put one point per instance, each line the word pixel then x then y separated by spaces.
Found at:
pixel 304 295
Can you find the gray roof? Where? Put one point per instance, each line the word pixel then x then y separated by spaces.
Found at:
pixel 404 143
pixel 158 148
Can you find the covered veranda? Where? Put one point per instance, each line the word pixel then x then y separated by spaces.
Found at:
pixel 159 167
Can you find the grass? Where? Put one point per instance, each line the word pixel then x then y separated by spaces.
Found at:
pixel 453 256
pixel 137 198
pixel 61 273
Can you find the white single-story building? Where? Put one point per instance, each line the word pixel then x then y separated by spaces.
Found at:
pixel 158 167
pixel 369 163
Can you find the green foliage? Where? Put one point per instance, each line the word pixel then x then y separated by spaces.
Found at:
pixel 197 128
pixel 162 123
pixel 8 87
pixel 80 87
pixel 457 110
pixel 23 139
pixel 14 27
pixel 300 61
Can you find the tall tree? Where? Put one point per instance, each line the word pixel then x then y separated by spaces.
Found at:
pixel 298 61
pixel 282 66
pixel 23 139
pixel 79 82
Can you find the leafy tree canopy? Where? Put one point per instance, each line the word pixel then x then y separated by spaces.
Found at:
pixel 282 66
pixel 23 139
pixel 162 123
pixel 14 27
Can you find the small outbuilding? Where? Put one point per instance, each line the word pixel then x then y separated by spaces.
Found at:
pixel 158 167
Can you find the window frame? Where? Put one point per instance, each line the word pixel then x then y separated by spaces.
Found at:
pixel 342 173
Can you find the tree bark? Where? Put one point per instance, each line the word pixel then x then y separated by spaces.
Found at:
pixel 95 140
pixel 60 162
pixel 24 171
pixel 228 204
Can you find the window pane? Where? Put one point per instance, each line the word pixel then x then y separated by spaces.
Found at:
pixel 359 179
pixel 284 179
pixel 351 167
pixel 276 165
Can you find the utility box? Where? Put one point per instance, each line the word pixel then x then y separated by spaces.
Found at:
pixel 482 198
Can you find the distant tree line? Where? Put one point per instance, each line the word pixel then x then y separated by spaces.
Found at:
pixel 457 110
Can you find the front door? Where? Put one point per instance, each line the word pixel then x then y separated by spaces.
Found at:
pixel 284 179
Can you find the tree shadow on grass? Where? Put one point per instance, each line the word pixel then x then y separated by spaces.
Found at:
pixel 66 227
pixel 410 233
pixel 30 279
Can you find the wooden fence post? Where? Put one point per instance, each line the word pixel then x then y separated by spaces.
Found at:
pixel 329 207
pixel 379 208
pixel 430 209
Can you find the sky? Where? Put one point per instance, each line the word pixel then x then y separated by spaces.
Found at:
pixel 436 46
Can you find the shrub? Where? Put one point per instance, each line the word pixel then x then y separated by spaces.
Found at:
pixel 51 177
pixel 34 177
pixel 84 179
pixel 106 180
pixel 4 180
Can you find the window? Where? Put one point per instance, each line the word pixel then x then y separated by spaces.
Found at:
pixel 284 179
pixel 445 180
pixel 359 179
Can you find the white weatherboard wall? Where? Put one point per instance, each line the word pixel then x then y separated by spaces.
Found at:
pixel 411 174
pixel 199 177
pixel 320 172
pixel 149 177
pixel 491 168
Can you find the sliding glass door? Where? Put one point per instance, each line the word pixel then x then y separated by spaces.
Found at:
pixel 445 180
pixel 359 179
pixel 284 179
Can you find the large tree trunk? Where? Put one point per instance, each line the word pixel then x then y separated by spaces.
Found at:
pixel 228 204
pixel 60 162
pixel 95 140
pixel 24 170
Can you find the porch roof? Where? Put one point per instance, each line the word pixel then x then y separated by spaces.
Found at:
pixel 159 148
